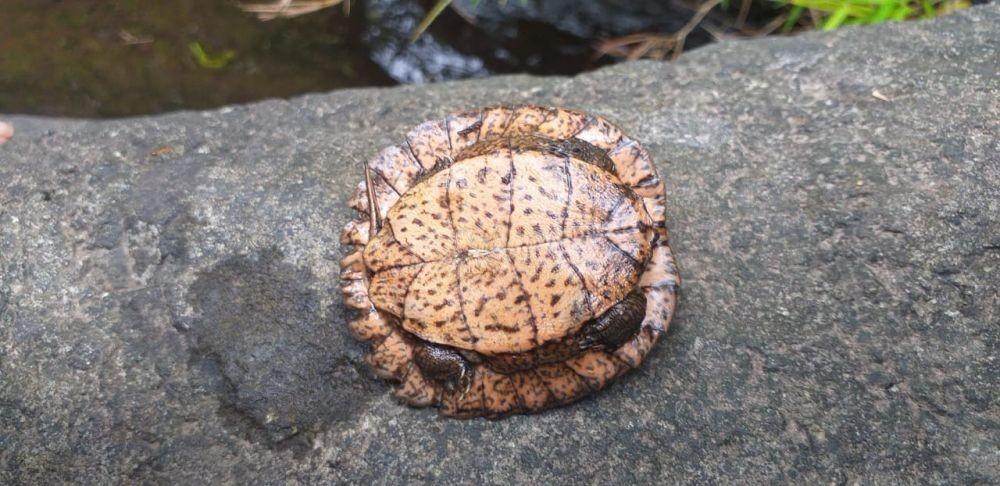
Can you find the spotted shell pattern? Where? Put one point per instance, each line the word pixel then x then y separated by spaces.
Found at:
pixel 462 235
pixel 496 253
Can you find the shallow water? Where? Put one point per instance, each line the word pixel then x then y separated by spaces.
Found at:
pixel 103 58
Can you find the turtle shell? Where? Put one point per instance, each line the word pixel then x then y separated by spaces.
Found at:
pixel 516 244
pixel 501 232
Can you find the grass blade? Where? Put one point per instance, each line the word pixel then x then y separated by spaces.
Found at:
pixel 426 22
pixel 838 18
pixel 793 16
pixel 210 61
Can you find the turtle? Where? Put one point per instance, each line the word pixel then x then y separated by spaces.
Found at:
pixel 507 260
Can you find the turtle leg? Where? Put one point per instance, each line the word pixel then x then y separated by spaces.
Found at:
pixel 444 365
pixel 616 326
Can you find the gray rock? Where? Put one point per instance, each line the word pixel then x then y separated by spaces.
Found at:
pixel 169 309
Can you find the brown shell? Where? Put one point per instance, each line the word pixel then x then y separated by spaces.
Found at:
pixel 494 251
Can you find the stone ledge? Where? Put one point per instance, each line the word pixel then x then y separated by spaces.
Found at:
pixel 169 307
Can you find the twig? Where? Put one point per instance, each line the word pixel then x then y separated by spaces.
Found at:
pixel 814 14
pixel 716 33
pixel 655 45
pixel 289 8
pixel 682 34
pixel 131 39
pixel 741 18
pixel 769 27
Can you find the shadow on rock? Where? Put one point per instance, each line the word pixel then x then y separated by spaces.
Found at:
pixel 263 343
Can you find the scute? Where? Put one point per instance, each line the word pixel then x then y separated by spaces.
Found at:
pixel 517 248
pixel 552 289
pixel 539 196
pixel 421 220
pixel 602 275
pixel 479 200
pixel 386 251
pixel 433 307
pixel 495 303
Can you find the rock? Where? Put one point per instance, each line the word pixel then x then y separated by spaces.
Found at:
pixel 169 309
pixel 586 20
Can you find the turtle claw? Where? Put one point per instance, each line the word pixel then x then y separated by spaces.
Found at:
pixel 587 342
pixel 465 381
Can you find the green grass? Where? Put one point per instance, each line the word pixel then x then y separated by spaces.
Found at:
pixel 837 13
pixel 210 61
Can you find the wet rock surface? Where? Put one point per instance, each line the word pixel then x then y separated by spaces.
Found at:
pixel 169 309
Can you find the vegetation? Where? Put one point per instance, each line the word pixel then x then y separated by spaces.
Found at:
pixel 781 17
pixel 786 16
pixel 210 61
pixel 129 57
pixel 831 14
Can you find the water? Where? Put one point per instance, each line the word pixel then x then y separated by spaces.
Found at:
pixel 111 58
